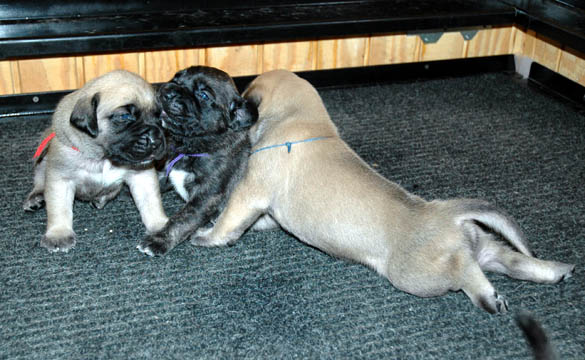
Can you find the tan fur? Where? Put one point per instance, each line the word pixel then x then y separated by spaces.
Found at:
pixel 328 197
pixel 63 173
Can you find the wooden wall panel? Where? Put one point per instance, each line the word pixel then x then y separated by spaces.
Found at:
pixel 393 49
pixel 450 46
pixel 572 65
pixel 47 74
pixel 6 80
pixel 96 65
pixel 52 74
pixel 188 57
pixel 294 56
pixel 235 60
pixel 159 66
pixel 518 41
pixel 551 54
pixel 543 51
pixel 339 53
pixel 490 42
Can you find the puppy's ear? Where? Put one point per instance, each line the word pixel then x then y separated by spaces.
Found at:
pixel 252 96
pixel 84 115
pixel 243 114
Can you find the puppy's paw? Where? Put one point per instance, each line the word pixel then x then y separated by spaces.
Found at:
pixel 565 271
pixel 201 237
pixel 59 240
pixel 496 304
pixel 34 202
pixel 154 245
pixel 204 237
pixel 501 304
pixel 100 202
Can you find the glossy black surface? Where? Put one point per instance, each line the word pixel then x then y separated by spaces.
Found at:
pixel 35 28
pixel 561 22
pixel 29 29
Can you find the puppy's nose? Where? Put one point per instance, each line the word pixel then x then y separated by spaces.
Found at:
pixel 169 95
pixel 156 138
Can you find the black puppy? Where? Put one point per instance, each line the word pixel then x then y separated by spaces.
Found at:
pixel 205 121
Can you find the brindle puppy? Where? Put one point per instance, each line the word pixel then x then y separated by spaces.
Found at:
pixel 206 122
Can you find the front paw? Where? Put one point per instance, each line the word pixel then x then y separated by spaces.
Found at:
pixel 154 245
pixel 60 240
pixel 201 237
pixel 205 237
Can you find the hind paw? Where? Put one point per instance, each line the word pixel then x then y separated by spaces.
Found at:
pixel 501 304
pixel 495 304
pixel 569 270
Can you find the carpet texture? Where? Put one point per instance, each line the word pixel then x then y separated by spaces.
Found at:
pixel 269 296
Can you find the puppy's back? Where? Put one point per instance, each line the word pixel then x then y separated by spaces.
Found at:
pixel 289 107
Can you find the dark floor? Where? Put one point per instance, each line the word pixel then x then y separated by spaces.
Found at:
pixel 270 296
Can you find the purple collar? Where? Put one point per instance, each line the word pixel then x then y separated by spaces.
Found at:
pixel 179 157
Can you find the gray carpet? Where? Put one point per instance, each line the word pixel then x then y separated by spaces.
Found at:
pixel 270 296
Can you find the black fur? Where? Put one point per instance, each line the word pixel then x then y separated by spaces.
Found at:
pixel 202 113
pixel 84 116
pixel 536 337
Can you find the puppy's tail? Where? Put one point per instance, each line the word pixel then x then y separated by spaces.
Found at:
pixel 492 217
pixel 536 337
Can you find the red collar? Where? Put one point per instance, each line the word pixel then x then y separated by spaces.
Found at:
pixel 44 143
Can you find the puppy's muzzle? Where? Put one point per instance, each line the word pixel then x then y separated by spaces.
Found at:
pixel 176 101
pixel 243 114
pixel 151 144
pixel 140 146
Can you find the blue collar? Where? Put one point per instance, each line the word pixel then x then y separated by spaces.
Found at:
pixel 289 144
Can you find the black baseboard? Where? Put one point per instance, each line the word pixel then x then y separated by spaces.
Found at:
pixel 557 85
pixel 44 103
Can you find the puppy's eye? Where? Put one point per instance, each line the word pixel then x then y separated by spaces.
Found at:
pixel 126 117
pixel 203 95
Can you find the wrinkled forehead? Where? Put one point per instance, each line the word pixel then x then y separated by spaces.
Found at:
pixel 215 81
pixel 124 94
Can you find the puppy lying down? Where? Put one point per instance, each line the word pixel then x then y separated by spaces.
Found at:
pixel 302 175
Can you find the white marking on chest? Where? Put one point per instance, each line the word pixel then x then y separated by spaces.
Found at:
pixel 178 178
pixel 110 174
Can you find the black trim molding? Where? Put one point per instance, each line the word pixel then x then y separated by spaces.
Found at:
pixel 32 28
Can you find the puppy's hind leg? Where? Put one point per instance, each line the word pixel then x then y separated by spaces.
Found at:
pixel 240 213
pixel 496 257
pixel 36 199
pixel 481 292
